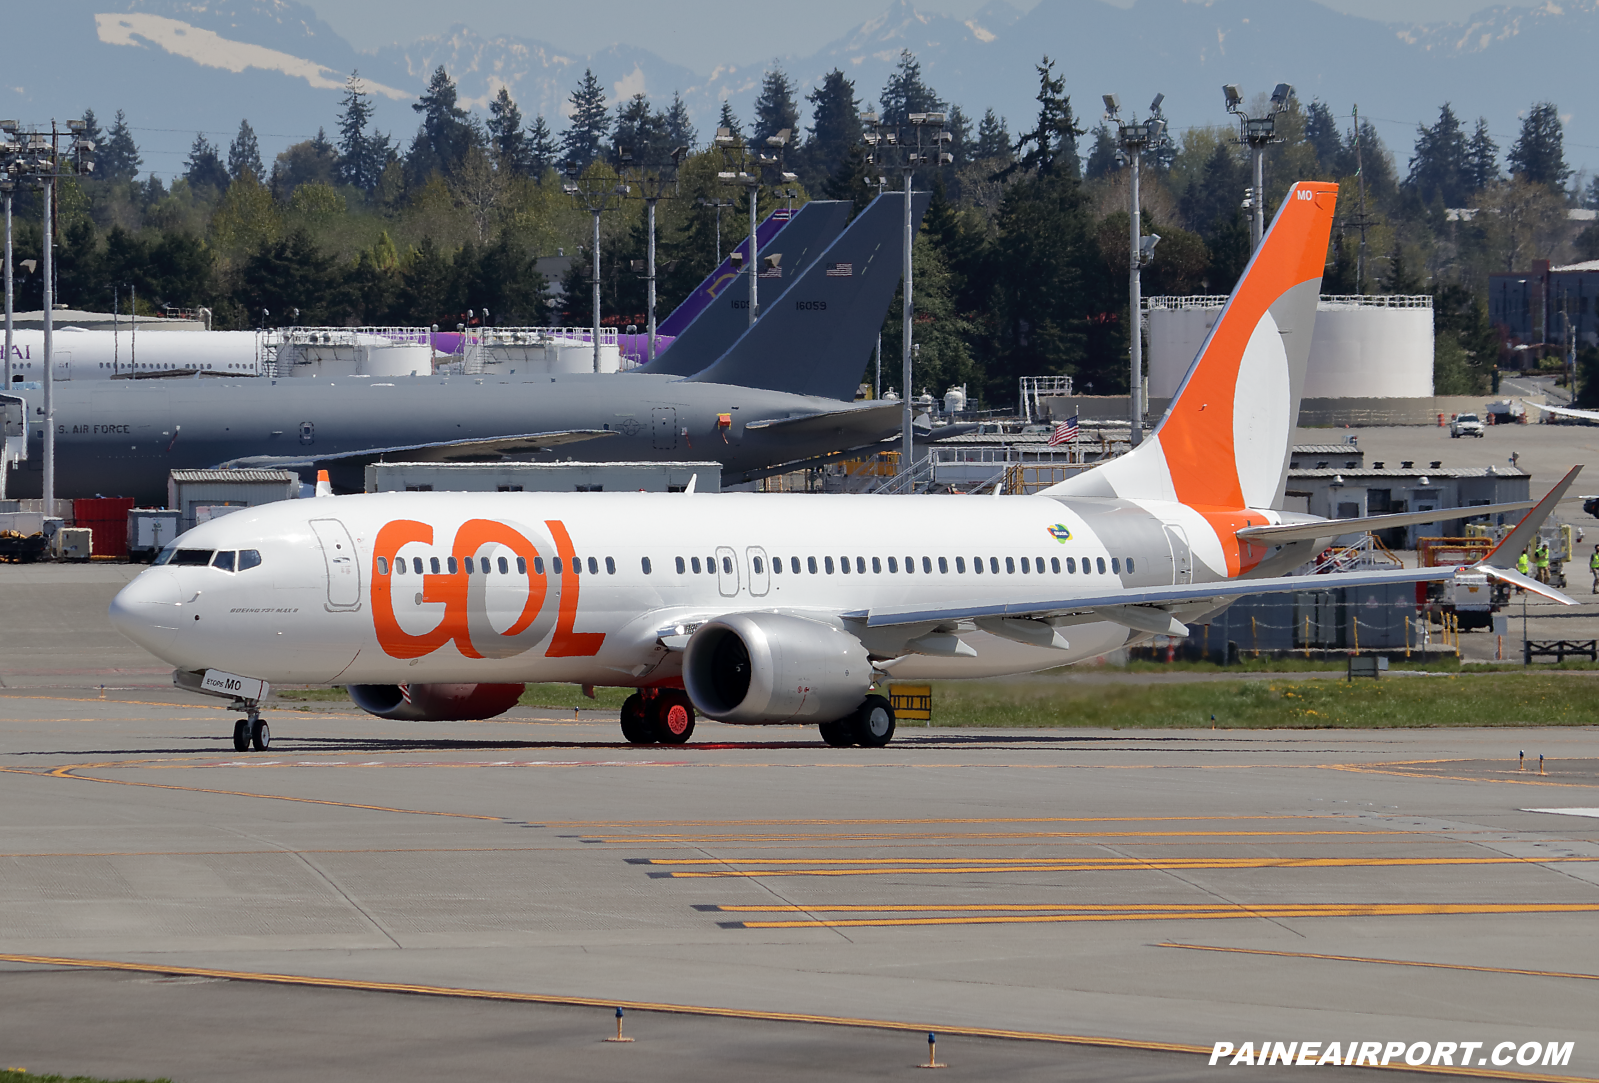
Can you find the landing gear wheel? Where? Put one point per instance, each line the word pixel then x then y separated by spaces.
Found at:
pixel 636 721
pixel 261 735
pixel 840 734
pixel 241 735
pixel 674 717
pixel 873 722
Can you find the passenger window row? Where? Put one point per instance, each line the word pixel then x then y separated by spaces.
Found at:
pixel 858 565
pixel 485 566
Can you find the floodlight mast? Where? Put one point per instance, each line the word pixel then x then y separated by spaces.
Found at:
pixel 653 188
pixel 595 194
pixel 1259 133
pixel 1135 139
pixel 883 140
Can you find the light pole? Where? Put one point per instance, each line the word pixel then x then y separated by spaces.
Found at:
pixel 8 185
pixel 595 193
pixel 1259 132
pixel 718 203
pixel 1134 139
pixel 922 145
pixel 747 166
pixel 653 187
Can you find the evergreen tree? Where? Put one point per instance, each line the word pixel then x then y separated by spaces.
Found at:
pixel 1400 280
pixel 1590 195
pixel 591 123
pixel 117 159
pixel 642 132
pixel 542 150
pixel 1482 157
pixel 679 128
pixel 905 93
pixel 959 127
pixel 1054 140
pixel 353 119
pixel 505 132
pixel 1440 169
pixel 834 132
pixel 993 138
pixel 729 121
pixel 445 134
pixel 775 110
pixel 244 153
pixel 362 157
pixel 1324 136
pixel 1538 154
pixel 1102 159
pixel 203 169
pixel 851 180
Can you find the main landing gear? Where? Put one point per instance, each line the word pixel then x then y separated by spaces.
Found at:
pixel 664 717
pixel 251 730
pixel 871 726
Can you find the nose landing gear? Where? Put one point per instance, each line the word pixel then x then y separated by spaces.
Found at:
pixel 251 730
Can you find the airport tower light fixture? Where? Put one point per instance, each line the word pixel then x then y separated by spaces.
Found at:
pixel 1134 139
pixel 922 141
pixel 656 180
pixel 596 191
pixel 746 165
pixel 10 170
pixel 1259 133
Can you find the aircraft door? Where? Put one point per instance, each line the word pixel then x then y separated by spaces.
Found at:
pixel 759 571
pixel 62 361
pixel 726 571
pixel 664 425
pixel 343 567
pixel 1181 556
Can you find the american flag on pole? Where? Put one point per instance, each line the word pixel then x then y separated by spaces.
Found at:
pixel 1065 432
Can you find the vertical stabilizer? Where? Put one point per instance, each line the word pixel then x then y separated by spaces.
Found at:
pixel 816 337
pixel 1225 440
pixel 713 317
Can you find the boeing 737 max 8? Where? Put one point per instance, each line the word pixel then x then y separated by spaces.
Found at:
pixel 770 608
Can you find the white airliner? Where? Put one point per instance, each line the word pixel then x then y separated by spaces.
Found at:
pixel 767 608
pixel 1564 411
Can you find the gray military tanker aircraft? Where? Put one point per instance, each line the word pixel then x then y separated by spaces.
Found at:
pixel 755 415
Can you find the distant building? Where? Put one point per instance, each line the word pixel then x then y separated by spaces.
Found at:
pixel 1534 308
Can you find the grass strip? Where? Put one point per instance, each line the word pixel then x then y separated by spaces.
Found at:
pixel 1393 702
pixel 22 1075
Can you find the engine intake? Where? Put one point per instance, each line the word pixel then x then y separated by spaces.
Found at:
pixel 759 668
pixel 435 702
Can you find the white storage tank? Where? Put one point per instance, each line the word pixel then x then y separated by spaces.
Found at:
pixel 1374 347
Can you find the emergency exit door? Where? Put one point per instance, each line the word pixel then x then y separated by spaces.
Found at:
pixel 343 566
pixel 664 425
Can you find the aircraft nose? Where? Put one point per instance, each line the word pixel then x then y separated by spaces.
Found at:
pixel 147 610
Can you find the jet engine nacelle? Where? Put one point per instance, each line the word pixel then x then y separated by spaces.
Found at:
pixel 773 667
pixel 435 702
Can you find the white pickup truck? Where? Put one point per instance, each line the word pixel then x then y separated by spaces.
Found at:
pixel 1465 425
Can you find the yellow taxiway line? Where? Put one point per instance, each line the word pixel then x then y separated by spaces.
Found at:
pixel 717 1012
pixel 1387 962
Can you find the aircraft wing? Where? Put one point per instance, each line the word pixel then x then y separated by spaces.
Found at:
pixel 1564 411
pixel 470 450
pixel 1332 528
pixel 1149 597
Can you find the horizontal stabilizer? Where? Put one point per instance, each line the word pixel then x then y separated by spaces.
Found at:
pixel 1516 579
pixel 1218 593
pixel 1525 532
pixel 1332 528
pixel 474 450
pixel 872 417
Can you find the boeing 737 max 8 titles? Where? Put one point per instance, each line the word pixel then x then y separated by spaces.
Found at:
pixel 771 608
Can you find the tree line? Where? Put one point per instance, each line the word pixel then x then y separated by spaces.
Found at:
pixel 1020 264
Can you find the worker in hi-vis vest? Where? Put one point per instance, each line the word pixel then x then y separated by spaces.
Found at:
pixel 1522 563
pixel 1543 563
pixel 1593 566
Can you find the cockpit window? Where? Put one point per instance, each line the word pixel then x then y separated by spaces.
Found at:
pixel 224 560
pixel 165 555
pixel 200 557
pixel 249 558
